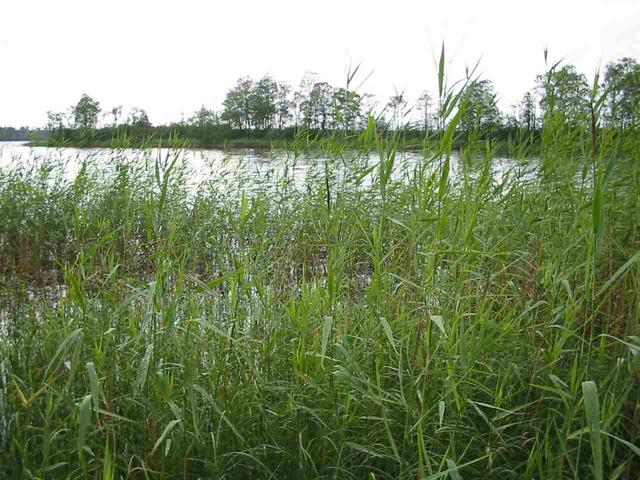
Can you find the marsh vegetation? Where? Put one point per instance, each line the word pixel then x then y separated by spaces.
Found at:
pixel 371 319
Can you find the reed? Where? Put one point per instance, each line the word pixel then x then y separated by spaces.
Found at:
pixel 444 319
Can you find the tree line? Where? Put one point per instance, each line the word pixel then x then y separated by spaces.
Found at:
pixel 22 134
pixel 317 105
pixel 86 114
pixel 267 106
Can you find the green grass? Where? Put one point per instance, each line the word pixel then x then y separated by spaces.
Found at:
pixel 368 325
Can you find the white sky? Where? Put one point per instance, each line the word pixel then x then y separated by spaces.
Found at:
pixel 170 57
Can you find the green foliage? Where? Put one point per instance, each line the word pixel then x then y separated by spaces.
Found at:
pixel 260 105
pixel 481 114
pixel 454 317
pixel 85 113
pixel 433 320
pixel 265 112
pixel 622 79
pixel 563 90
pixel 528 116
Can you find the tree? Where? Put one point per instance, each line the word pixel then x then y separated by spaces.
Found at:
pixel 55 122
pixel 425 103
pixel 347 106
pixel 622 80
pixel 237 104
pixel 204 117
pixel 317 108
pixel 397 104
pixel 138 118
pixel 564 91
pixel 301 98
pixel 511 119
pixel 262 104
pixel 116 113
pixel 527 112
pixel 284 105
pixel 86 111
pixel 481 111
pixel 368 108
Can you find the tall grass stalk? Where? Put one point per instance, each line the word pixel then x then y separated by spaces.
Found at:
pixel 374 319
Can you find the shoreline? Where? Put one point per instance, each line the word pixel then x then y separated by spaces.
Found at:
pixel 264 146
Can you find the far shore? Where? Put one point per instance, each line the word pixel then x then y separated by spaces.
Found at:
pixel 232 144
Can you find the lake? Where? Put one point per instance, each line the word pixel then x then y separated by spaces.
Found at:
pixel 243 169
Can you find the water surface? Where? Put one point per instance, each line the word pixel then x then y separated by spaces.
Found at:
pixel 243 168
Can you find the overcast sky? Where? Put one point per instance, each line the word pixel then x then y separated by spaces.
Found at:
pixel 171 57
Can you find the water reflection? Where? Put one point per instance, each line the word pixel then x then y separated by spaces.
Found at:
pixel 236 169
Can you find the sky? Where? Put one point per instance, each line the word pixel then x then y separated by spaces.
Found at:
pixel 171 57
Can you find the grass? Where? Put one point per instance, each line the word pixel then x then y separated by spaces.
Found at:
pixel 381 321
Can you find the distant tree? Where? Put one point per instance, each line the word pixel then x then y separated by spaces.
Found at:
pixel 301 100
pixel 481 112
pixel 284 105
pixel 317 108
pixel 397 105
pixel 237 109
pixel 55 122
pixel 622 79
pixel 346 108
pixel 138 118
pixel 262 103
pixel 369 105
pixel 564 91
pixel 511 119
pixel 86 111
pixel 368 108
pixel 23 134
pixel 116 113
pixel 425 103
pixel 527 112
pixel 204 117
